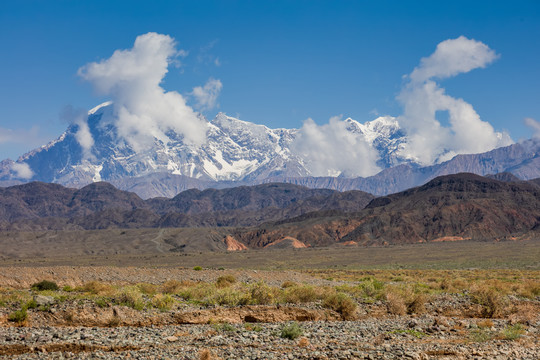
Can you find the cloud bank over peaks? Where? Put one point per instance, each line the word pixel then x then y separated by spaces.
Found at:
pixel 142 109
pixel 332 150
pixel 424 100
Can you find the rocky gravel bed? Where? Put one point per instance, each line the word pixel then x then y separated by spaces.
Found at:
pixel 424 337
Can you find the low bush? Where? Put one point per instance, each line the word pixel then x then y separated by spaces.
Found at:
pixel 513 332
pixel 18 316
pixel 171 286
pixel 129 296
pixel 417 304
pixel 300 294
pixel 163 302
pixel 97 288
pixel 261 294
pixel 148 289
pixel 225 281
pixel 288 284
pixel 395 304
pixel 492 302
pixel 197 268
pixel 342 304
pixel 224 327
pixel 291 331
pixel 44 285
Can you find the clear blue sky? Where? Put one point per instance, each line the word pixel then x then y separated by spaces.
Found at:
pixel 280 62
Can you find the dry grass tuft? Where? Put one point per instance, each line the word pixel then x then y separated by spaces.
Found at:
pixel 288 284
pixel 225 281
pixel 485 324
pixel 395 303
pixel 163 302
pixel 303 342
pixel 171 287
pixel 492 302
pixel 206 354
pixel 98 288
pixel 300 294
pixel 342 304
pixel 417 304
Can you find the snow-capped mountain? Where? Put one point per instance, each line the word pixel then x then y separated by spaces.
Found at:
pixel 235 150
pixel 237 153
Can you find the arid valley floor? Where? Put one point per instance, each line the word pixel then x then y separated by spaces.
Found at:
pixel 466 300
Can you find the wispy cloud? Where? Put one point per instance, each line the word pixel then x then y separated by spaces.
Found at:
pixel 31 137
pixel 205 55
pixel 429 140
pixel 79 118
pixel 143 110
pixel 533 125
pixel 207 95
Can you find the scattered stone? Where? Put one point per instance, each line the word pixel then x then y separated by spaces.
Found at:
pixel 44 300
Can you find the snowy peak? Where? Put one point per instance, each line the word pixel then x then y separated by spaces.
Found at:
pixel 234 150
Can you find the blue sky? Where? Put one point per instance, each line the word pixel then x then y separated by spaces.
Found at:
pixel 280 62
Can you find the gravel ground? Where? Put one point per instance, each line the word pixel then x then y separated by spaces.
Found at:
pixel 424 337
pixel 445 332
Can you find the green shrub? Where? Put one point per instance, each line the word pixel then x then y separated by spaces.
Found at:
pixel 18 316
pixel 224 327
pixel 300 294
pixel 253 327
pixel 261 294
pixel 102 302
pixel 197 268
pixel 32 304
pixel 129 296
pixel 291 331
pixel 513 332
pixel 480 335
pixel 44 285
pixel 163 302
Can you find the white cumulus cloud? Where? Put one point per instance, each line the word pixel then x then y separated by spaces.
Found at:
pixel 207 95
pixel 452 57
pixel 332 150
pixel 22 170
pixel 143 110
pixel 422 98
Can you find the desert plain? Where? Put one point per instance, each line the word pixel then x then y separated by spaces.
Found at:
pixel 137 299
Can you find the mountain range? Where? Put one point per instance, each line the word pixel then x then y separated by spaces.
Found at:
pixel 455 207
pixel 239 153
pixel 448 208
pixel 47 206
